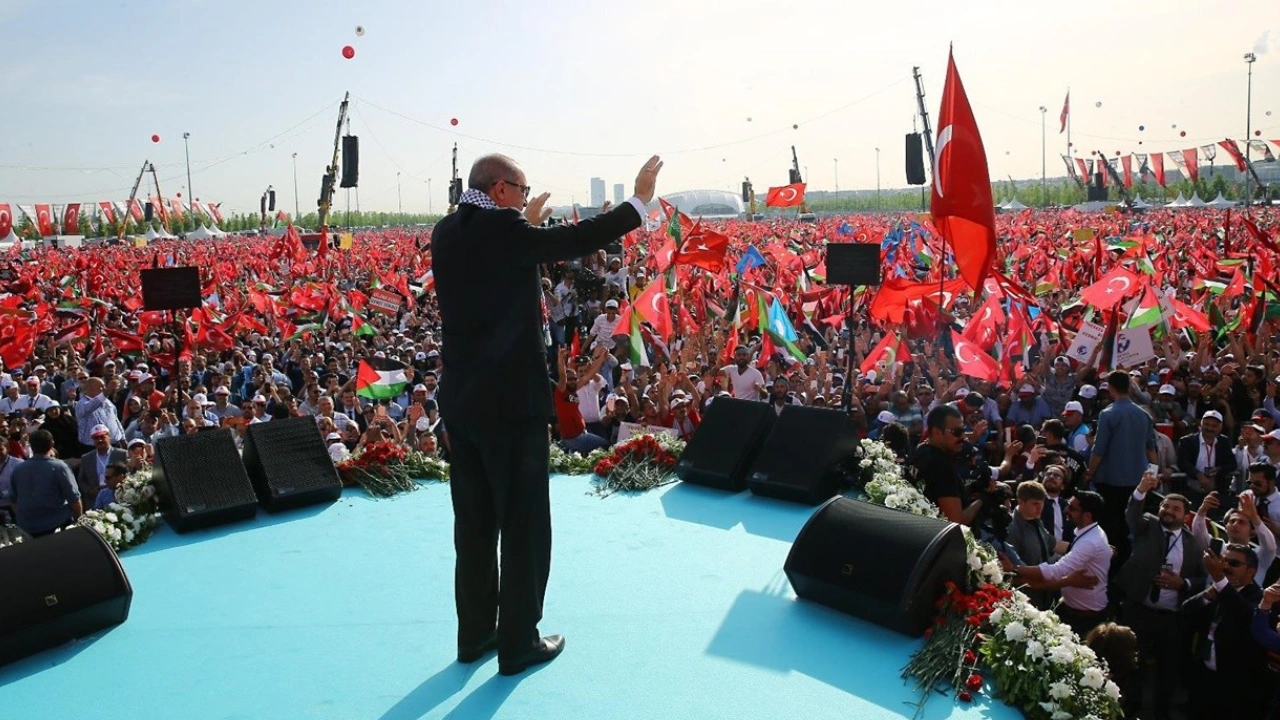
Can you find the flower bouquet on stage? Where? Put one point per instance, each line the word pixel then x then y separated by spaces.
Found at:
pixel 386 468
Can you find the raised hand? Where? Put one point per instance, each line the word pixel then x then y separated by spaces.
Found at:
pixel 647 179
pixel 536 211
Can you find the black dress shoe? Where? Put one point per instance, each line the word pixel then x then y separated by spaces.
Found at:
pixel 474 653
pixel 549 647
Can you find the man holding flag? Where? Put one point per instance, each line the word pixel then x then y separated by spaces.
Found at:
pixel 495 396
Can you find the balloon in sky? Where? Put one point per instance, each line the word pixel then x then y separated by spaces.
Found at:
pixel 1117 153
pixel 1182 134
pixel 179 194
pixel 1175 126
pixel 795 127
pixel 359 31
pixel 1098 104
pixel 453 121
pixel 1257 133
pixel 155 138
pixel 1141 128
pixel 348 52
pixel 1268 113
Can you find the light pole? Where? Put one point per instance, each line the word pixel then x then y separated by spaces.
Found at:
pixel 428 196
pixel 186 136
pixel 399 204
pixel 1249 59
pixel 1044 197
pixel 837 162
pixel 878 204
pixel 297 209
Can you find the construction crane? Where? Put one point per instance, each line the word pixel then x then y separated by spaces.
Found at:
pixel 331 172
pixel 164 214
pixel 133 195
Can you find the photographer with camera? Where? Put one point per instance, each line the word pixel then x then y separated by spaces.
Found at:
pixel 935 465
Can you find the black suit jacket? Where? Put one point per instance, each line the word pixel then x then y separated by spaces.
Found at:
pixel 1148 553
pixel 1224 458
pixel 1046 518
pixel 1238 655
pixel 490 295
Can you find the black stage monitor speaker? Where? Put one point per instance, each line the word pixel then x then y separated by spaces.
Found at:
pixel 1095 193
pixel 271 201
pixel 289 464
pixel 853 264
pixel 350 161
pixel 202 481
pixel 58 588
pixel 884 566
pixel 915 160
pixel 721 452
pixel 794 176
pixel 802 458
pixel 148 212
pixel 175 288
pixel 746 192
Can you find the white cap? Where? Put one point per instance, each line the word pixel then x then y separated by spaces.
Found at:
pixel 144 377
pixel 221 390
pixel 1212 414
pixel 333 436
pixel 962 392
pixel 1273 435
pixel 611 304
pixel 100 430
pixel 1167 390
pixel 380 354
pixel 259 399
pixel 1088 392
pixel 419 356
pixel 419 388
pixel 1075 407
pixel 422 425
pixel 886 417
pixel 1026 389
pixel 200 398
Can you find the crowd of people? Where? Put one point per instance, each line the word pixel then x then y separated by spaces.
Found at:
pixel 1052 438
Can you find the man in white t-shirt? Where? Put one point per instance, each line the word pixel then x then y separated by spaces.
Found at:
pixel 746 381
pixel 602 328
pixel 590 383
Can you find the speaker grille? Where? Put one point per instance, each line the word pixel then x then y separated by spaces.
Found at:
pixel 800 461
pixel 289 464
pixel 202 481
pixel 727 441
pixel 882 565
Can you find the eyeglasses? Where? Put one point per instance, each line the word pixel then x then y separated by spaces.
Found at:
pixel 1233 563
pixel 524 189
pixel 1058 475
pixel 958 432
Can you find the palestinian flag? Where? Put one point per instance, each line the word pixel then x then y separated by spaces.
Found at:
pixel 380 379
pixel 639 356
pixel 1145 310
pixel 361 328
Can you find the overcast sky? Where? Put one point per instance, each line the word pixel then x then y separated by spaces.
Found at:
pixel 577 88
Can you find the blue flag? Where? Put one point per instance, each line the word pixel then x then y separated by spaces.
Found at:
pixel 751 258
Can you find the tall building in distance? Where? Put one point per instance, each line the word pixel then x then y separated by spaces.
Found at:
pixel 597 192
pixel 617 194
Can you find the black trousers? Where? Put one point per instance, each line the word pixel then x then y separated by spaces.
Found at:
pixel 1113 523
pixel 1160 653
pixel 500 491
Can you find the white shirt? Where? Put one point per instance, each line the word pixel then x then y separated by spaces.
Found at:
pixel 1266 545
pixel 10 405
pixel 1168 599
pixel 1207 452
pixel 589 399
pixel 746 384
pixel 39 402
pixel 1090 552
pixel 602 329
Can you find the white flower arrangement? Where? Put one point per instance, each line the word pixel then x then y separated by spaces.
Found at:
pixel 887 486
pixel 1038 662
pixel 130 520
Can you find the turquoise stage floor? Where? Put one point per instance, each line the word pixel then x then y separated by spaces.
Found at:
pixel 674 604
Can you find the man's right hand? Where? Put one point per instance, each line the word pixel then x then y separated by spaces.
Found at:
pixel 1209 504
pixel 647 179
pixel 1149 482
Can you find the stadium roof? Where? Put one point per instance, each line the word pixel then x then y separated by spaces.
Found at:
pixel 705 203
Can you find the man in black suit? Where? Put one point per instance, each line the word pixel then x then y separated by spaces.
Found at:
pixel 1164 569
pixel 1207 458
pixel 1054 515
pixel 1228 674
pixel 495 395
pixel 92 473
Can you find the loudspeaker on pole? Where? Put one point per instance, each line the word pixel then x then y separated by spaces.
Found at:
pixel 915 160
pixel 350 161
pixel 148 211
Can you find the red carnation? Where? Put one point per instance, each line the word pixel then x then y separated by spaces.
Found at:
pixel 965 696
pixel 970 657
pixel 974 682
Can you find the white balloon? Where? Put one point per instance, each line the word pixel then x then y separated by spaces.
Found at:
pixel 359 31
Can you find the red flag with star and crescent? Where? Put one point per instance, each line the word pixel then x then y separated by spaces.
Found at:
pixel 962 208
pixel 44 220
pixel 786 196
pixel 1111 289
pixel 71 219
pixel 1066 113
pixel 652 306
pixel 6 220
pixel 972 361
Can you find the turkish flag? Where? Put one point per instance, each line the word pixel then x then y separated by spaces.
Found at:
pixel 215 211
pixel 984 327
pixel 1189 159
pixel 17 340
pixel 1127 161
pixel 972 361
pixel 1066 113
pixel 44 220
pixel 704 248
pixel 124 342
pixel 6 220
pixel 71 219
pixel 785 196
pixel 890 348
pixel 135 211
pixel 1111 289
pixel 108 213
pixel 962 208
pixel 652 306
pixel 1157 167
pixel 75 332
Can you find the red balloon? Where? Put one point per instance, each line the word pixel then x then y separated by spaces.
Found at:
pixel 155 138
pixel 1117 153
pixel 179 194
pixel 1182 134
pixel 454 121
pixel 1257 133
pixel 348 52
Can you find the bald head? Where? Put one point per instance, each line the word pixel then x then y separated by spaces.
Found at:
pixel 499 177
